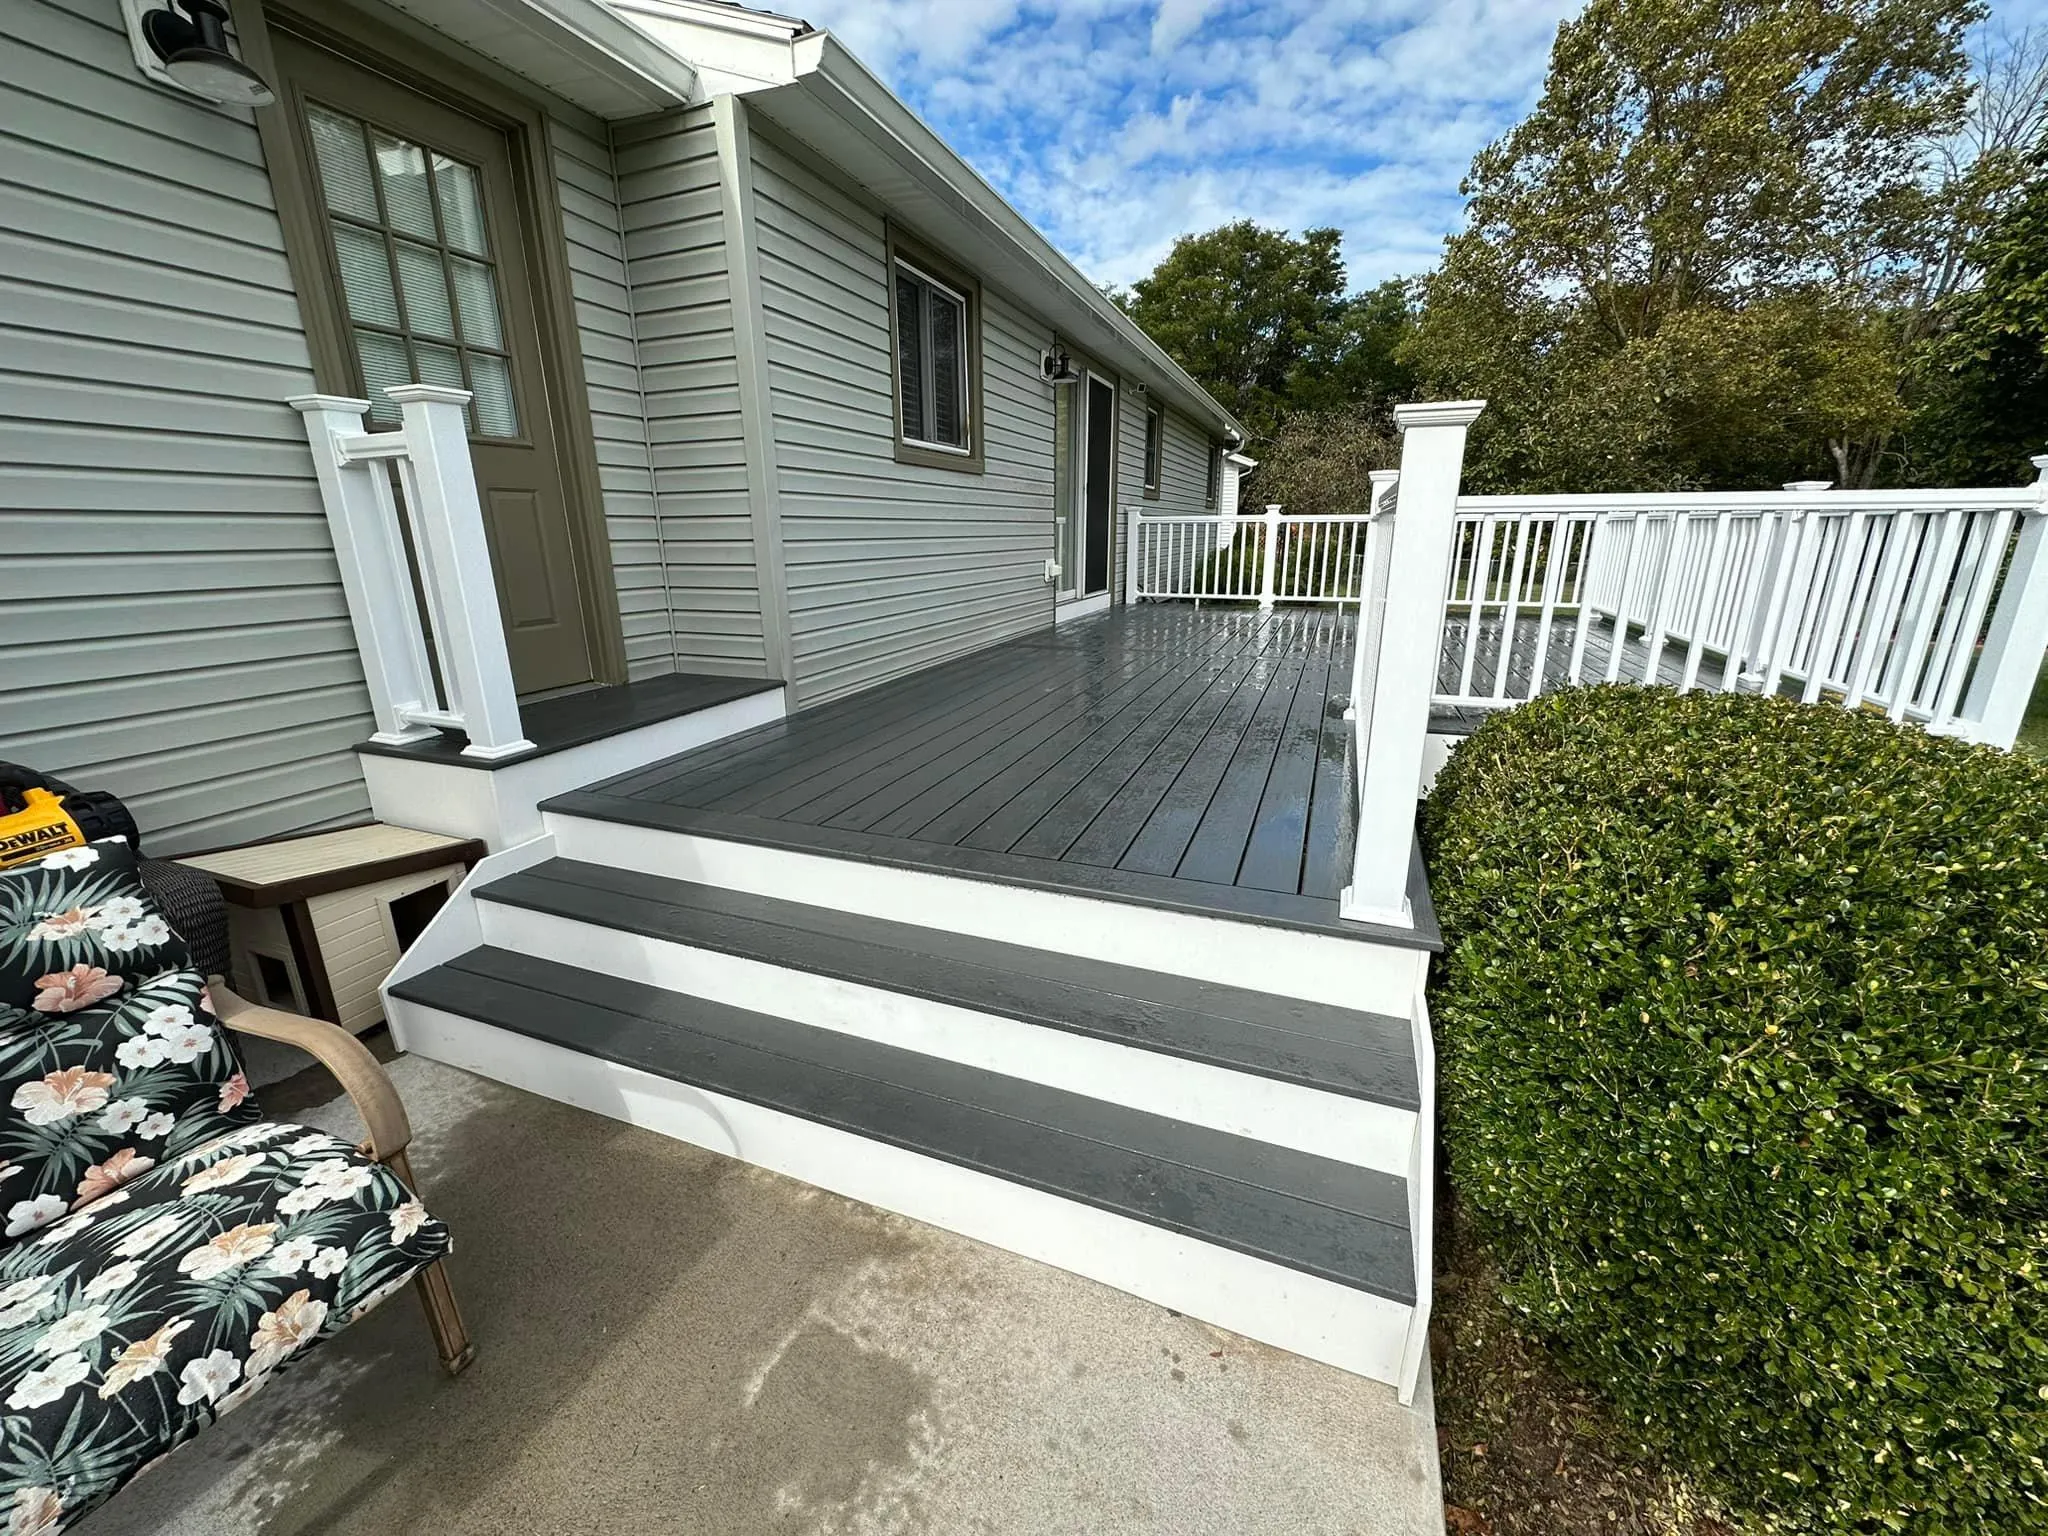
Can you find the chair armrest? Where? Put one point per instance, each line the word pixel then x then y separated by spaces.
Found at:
pixel 360 1074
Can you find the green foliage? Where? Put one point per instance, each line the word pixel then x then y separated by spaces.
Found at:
pixel 1743 1062
pixel 1260 318
pixel 1320 463
pixel 1985 390
pixel 1707 227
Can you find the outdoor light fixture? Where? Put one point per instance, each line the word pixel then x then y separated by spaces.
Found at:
pixel 1055 367
pixel 194 51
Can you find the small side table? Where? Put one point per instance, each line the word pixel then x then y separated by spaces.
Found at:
pixel 316 922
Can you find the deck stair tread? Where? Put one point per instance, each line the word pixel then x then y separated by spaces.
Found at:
pixel 1337 1050
pixel 1311 1214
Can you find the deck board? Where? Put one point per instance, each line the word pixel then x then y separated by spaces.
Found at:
pixel 1200 747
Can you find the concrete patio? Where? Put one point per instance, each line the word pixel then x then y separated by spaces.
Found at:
pixel 673 1341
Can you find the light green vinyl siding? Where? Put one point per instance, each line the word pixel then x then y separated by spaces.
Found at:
pixel 891 567
pixel 171 620
pixel 682 310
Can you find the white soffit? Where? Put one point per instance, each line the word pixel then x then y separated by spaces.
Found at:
pixel 577 49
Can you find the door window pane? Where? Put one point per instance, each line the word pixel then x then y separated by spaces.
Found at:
pixel 344 162
pixel 408 203
pixel 462 206
pixel 384 363
pixel 496 416
pixel 438 365
pixel 476 293
pixel 396 204
pixel 365 275
pixel 425 282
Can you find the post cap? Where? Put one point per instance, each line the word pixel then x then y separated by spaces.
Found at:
pixel 427 394
pixel 307 404
pixel 1438 413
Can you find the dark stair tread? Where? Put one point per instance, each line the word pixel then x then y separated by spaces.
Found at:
pixel 1322 1217
pixel 1338 1050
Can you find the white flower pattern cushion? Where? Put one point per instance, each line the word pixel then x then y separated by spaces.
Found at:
pixel 110 1057
pixel 165 1251
pixel 131 1324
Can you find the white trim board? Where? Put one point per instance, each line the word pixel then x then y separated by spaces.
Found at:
pixel 1348 973
pixel 1351 1329
pixel 501 805
pixel 1350 1130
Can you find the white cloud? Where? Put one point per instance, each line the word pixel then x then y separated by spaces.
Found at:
pixel 1116 125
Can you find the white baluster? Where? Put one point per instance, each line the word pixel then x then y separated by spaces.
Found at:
pixel 376 578
pixel 448 525
pixel 2011 663
pixel 1269 558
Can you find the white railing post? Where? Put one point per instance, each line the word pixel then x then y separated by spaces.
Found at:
pixel 1411 640
pixel 1269 560
pixel 376 579
pixel 455 567
pixel 1131 588
pixel 1372 596
pixel 2010 664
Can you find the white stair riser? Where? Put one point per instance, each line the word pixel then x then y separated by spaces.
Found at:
pixel 1244 1104
pixel 1317 1318
pixel 1375 978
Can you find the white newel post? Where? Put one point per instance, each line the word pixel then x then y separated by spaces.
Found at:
pixel 375 576
pixel 1411 638
pixel 1130 555
pixel 1372 598
pixel 455 567
pixel 2011 662
pixel 1269 560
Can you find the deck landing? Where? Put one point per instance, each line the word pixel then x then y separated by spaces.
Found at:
pixel 1191 759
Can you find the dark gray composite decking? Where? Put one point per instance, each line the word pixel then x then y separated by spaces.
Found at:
pixel 1161 755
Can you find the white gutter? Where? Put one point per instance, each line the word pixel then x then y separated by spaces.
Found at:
pixel 747 52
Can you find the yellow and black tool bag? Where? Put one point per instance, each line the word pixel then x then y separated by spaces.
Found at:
pixel 40 815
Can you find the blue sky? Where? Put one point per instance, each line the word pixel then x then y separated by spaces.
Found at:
pixel 1115 125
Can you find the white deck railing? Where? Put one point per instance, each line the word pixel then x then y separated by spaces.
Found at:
pixel 1930 606
pixel 1874 599
pixel 471 689
pixel 1269 559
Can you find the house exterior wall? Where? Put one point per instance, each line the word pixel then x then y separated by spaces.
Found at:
pixel 592 227
pixel 672 214
pixel 172 625
pixel 171 619
pixel 890 567
pixel 1183 471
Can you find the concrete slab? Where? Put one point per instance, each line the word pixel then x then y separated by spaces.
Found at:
pixel 670 1341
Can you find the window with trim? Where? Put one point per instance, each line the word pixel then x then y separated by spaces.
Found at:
pixel 1215 475
pixel 937 334
pixel 1155 440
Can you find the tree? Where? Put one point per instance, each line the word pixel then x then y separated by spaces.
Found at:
pixel 1684 266
pixel 1245 309
pixel 1985 387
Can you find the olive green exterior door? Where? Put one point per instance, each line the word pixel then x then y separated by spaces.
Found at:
pixel 428 278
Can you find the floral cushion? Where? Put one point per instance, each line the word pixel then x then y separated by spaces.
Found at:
pixel 110 1057
pixel 132 1323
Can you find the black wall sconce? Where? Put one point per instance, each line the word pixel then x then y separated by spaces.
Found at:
pixel 193 49
pixel 1055 367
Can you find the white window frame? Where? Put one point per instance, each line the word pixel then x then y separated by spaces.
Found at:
pixel 1153 471
pixel 965 447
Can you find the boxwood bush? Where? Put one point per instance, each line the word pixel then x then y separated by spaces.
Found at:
pixel 1743 1053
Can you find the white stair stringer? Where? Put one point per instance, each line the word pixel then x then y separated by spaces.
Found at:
pixel 1352 1329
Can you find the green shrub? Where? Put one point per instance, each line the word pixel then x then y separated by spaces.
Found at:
pixel 1743 1052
